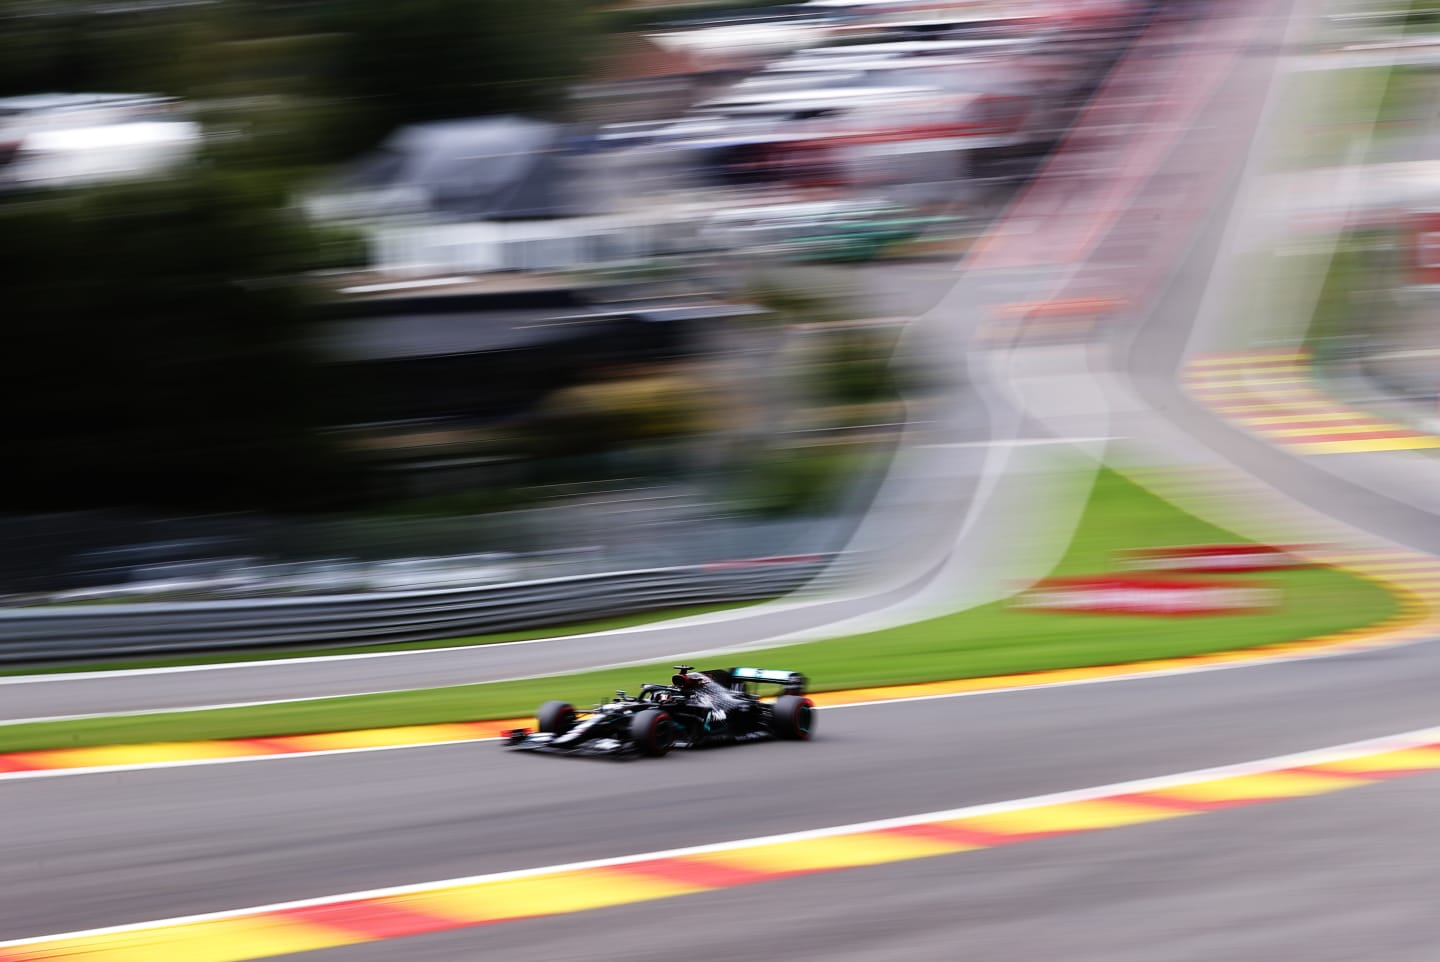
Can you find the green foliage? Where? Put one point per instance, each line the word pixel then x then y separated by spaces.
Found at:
pixel 789 303
pixel 73 45
pixel 602 416
pixel 801 480
pixel 156 351
pixel 1335 311
pixel 434 59
pixel 854 366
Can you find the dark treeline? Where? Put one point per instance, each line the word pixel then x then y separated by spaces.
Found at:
pixel 154 341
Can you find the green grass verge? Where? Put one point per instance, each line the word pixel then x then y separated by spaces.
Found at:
pixel 1338 106
pixel 993 639
pixel 273 654
pixel 1332 107
pixel 1273 284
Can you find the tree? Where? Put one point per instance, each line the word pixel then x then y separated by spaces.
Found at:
pixel 157 351
pixel 631 408
pixel 71 46
pixel 437 59
pixel 338 75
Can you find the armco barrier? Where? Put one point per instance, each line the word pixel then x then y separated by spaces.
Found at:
pixel 91 631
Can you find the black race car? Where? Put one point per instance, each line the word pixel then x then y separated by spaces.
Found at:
pixel 697 709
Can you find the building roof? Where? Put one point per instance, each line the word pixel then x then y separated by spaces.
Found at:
pixel 26 103
pixel 416 335
pixel 421 332
pixel 635 57
pixel 485 168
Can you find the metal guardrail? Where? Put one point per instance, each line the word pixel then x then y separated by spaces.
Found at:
pixel 106 630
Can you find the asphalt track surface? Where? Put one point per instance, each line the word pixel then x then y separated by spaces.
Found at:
pixel 1330 881
pixel 207 838
pixel 1338 877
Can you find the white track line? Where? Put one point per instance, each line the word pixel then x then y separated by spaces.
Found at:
pixel 306 660
pixel 1411 739
pixel 1071 683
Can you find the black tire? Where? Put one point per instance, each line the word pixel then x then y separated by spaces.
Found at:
pixel 792 717
pixel 653 733
pixel 556 717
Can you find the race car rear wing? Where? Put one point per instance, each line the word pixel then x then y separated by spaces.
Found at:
pixel 792 681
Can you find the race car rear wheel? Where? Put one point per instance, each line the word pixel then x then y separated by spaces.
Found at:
pixel 653 732
pixel 792 717
pixel 556 717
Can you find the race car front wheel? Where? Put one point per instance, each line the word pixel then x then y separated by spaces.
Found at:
pixel 653 732
pixel 556 717
pixel 793 717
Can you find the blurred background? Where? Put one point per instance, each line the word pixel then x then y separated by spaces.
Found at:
pixel 306 296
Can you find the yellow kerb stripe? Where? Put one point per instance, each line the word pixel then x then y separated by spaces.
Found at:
pixel 1257 787
pixel 1247 359
pixel 1375 444
pixel 219 940
pixel 1244 380
pixel 1291 407
pixel 1316 418
pixel 381 737
pixel 551 894
pixel 1332 429
pixel 149 754
pixel 1069 817
pixel 834 852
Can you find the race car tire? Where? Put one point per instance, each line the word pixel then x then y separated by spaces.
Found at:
pixel 556 717
pixel 653 733
pixel 792 717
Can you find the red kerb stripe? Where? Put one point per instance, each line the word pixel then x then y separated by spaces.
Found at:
pixel 1327 773
pixel 372 918
pixel 955 835
pixel 1172 804
pixel 692 871
pixel 1392 434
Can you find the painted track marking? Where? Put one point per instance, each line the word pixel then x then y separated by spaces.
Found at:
pixel 1273 394
pixel 370 916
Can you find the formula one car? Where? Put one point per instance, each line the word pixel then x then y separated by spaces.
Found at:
pixel 697 709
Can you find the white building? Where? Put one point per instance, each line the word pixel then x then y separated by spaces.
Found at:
pixel 60 140
pixel 491 194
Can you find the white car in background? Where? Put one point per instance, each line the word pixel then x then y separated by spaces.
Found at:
pixel 62 140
